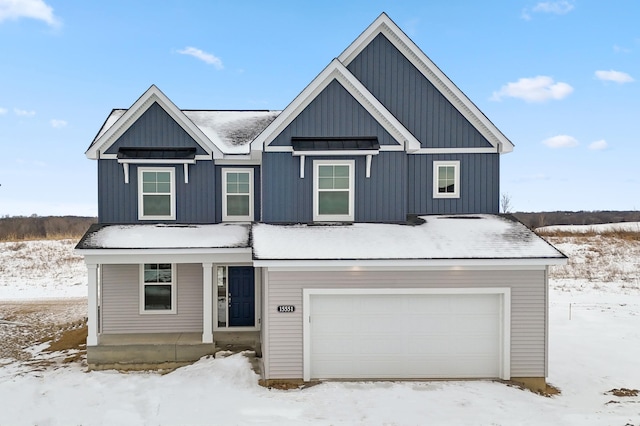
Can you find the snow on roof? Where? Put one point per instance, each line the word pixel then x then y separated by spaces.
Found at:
pixel 230 131
pixel 165 236
pixel 439 237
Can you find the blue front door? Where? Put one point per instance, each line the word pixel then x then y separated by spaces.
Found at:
pixel 242 296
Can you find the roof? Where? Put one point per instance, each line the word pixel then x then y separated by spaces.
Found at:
pixel 335 143
pixel 217 132
pixel 436 237
pixel 155 236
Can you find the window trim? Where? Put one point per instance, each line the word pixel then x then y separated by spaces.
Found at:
pixel 317 217
pixel 174 292
pixel 456 177
pixel 172 194
pixel 234 218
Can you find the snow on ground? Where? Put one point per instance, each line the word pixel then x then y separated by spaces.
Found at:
pixel 594 348
pixel 41 270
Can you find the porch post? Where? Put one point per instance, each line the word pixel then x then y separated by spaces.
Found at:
pixel 207 303
pixel 92 304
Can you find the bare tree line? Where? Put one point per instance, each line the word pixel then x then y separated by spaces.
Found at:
pixel 43 227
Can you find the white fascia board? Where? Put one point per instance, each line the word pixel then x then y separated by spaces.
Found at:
pixel 409 264
pixel 384 25
pixel 153 94
pixel 335 153
pixel 136 256
pixel 456 151
pixel 336 71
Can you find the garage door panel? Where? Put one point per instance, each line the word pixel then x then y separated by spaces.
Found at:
pixel 405 336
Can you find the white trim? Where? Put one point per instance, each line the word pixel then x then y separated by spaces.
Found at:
pixel 155 161
pixel 302 157
pixel 257 282
pixel 383 148
pixel 336 71
pixel 455 151
pixel 238 161
pixel 384 25
pixel 125 168
pixel 368 167
pixel 349 217
pixel 172 194
pixel 456 179
pixel 225 216
pixel 207 302
pixel 186 172
pixel 404 264
pixel 174 291
pixel 505 315
pixel 92 304
pixel 148 98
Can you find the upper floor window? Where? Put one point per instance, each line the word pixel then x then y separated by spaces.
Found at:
pixel 237 195
pixel 157 288
pixel 446 179
pixel 156 193
pixel 333 190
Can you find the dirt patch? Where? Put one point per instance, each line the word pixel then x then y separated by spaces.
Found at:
pixel 623 392
pixel 27 324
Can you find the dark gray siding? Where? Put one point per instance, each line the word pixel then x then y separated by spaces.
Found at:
pixel 334 112
pixel 409 96
pixel 118 201
pixel 155 128
pixel 380 198
pixel 479 184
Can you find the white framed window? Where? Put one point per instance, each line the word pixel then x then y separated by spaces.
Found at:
pixel 237 195
pixel 158 288
pixel 446 179
pixel 333 190
pixel 156 193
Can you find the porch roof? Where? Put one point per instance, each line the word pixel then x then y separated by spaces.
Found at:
pixel 160 236
pixel 432 237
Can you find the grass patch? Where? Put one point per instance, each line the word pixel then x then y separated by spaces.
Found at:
pixel 619 234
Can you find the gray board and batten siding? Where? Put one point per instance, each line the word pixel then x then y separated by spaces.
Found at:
pixel 412 99
pixel 118 201
pixel 479 185
pixel 120 302
pixel 287 198
pixel 283 344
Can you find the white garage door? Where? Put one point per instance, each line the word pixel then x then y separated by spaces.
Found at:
pixel 405 336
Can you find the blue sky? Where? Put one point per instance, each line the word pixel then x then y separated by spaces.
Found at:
pixel 561 79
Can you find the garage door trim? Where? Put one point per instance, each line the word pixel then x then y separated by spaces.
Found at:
pixel 505 315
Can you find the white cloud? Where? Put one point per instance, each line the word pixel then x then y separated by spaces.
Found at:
pixel 561 141
pixel 3 111
pixel 203 56
pixel 616 76
pixel 35 9
pixel 620 49
pixel 24 112
pixel 598 145
pixel 536 89
pixel 556 7
pixel 57 124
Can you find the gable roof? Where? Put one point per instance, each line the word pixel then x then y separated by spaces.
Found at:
pixel 107 137
pixel 385 26
pixel 338 72
pixel 217 132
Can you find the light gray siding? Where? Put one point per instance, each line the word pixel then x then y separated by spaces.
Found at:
pixel 120 302
pixel 155 128
pixel 379 198
pixel 283 348
pixel 479 184
pixel 118 201
pixel 412 99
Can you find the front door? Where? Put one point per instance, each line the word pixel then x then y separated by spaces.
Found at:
pixel 242 296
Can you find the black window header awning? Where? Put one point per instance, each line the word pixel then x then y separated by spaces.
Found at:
pixel 156 153
pixel 365 143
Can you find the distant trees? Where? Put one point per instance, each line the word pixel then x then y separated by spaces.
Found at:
pixel 535 220
pixel 47 227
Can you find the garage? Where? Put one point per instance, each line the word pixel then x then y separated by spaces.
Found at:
pixel 406 333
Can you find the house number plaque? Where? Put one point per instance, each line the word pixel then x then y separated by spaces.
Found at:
pixel 286 308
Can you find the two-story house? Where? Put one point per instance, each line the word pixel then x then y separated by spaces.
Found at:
pixel 355 234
